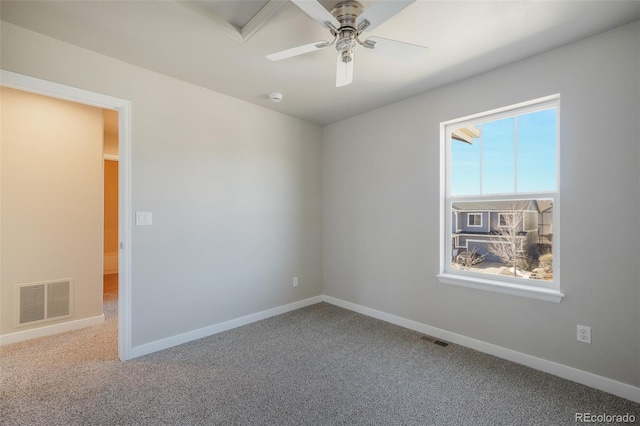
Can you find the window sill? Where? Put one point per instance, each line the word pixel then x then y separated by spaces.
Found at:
pixel 547 294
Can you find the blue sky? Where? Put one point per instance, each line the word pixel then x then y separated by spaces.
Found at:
pixel 534 169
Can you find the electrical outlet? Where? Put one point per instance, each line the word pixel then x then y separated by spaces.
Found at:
pixel 584 334
pixel 295 281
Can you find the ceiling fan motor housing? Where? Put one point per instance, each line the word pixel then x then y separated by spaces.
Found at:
pixel 346 13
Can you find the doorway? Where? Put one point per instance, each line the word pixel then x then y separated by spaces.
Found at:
pixel 110 217
pixel 123 109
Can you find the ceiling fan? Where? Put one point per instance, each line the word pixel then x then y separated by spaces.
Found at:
pixel 346 22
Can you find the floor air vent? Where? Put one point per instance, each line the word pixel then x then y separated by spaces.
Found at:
pixel 434 341
pixel 44 301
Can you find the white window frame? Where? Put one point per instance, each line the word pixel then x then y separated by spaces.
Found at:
pixel 469 225
pixel 535 289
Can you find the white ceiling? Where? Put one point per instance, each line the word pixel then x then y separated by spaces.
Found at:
pixel 237 13
pixel 193 41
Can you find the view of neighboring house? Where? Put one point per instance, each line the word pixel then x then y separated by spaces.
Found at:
pixel 545 226
pixel 476 226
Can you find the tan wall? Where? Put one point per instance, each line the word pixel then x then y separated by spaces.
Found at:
pixel 51 200
pixel 110 216
pixel 110 132
pixel 110 144
pixel 110 150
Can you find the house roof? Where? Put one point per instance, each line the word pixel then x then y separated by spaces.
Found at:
pixel 474 206
pixel 466 134
pixel 545 205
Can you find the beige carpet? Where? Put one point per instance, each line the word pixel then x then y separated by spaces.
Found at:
pixel 320 365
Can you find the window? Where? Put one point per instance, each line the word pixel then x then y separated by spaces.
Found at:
pixel 502 166
pixel 504 219
pixel 474 219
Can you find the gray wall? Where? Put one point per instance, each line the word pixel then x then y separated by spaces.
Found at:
pixel 381 211
pixel 235 191
pixel 240 197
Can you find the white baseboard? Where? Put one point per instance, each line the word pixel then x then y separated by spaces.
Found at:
pixel 48 330
pixel 583 377
pixel 189 336
pixel 589 379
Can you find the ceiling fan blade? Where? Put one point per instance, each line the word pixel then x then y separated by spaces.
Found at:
pixel 398 49
pixel 344 71
pixel 300 50
pixel 382 10
pixel 317 12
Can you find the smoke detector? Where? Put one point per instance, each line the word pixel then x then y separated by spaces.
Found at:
pixel 275 97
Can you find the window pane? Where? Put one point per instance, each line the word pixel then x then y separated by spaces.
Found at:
pixel 465 167
pixel 537 151
pixel 498 171
pixel 516 241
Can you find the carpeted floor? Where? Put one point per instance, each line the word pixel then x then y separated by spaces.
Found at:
pixel 321 365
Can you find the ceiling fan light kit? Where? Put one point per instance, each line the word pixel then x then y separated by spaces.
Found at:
pixel 346 22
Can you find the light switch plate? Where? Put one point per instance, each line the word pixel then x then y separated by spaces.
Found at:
pixel 144 218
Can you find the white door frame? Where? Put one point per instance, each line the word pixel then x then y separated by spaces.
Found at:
pixel 55 90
